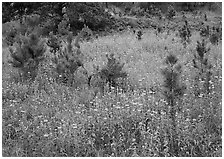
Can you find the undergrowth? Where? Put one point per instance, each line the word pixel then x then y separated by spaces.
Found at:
pixel 46 118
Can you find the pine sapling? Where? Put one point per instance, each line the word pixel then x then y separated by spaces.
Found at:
pixel 53 43
pixel 200 62
pixel 185 34
pixel 205 31
pixel 31 22
pixel 113 70
pixel 139 34
pixel 109 74
pixel 171 12
pixel 205 16
pixel 215 36
pixel 64 26
pixel 173 91
pixel 67 62
pixel 27 55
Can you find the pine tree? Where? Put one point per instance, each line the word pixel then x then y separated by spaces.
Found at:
pixel 53 43
pixel 67 62
pixel 200 62
pixel 215 35
pixel 185 34
pixel 64 26
pixel 29 52
pixel 139 34
pixel 171 12
pixel 205 31
pixel 113 70
pixel 109 74
pixel 173 91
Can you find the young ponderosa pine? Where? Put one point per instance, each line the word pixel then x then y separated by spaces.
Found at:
pixel 27 55
pixel 139 34
pixel 53 43
pixel 200 62
pixel 185 34
pixel 205 31
pixel 109 74
pixel 171 12
pixel 97 81
pixel 85 30
pixel 173 91
pixel 30 24
pixel 113 70
pixel 64 26
pixel 215 36
pixel 67 62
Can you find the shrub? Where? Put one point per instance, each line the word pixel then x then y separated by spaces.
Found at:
pixel 29 52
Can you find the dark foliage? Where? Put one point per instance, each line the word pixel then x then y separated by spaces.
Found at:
pixel 139 34
pixel 185 34
pixel 205 31
pixel 171 12
pixel 113 70
pixel 54 43
pixel 67 61
pixel 201 63
pixel 173 91
pixel 216 35
pixel 27 55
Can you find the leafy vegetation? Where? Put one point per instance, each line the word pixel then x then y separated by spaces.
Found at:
pixel 113 95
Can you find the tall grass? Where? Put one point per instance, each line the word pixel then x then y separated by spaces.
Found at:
pixel 44 118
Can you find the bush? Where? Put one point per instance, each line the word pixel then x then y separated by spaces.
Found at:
pixel 29 52
pixel 67 61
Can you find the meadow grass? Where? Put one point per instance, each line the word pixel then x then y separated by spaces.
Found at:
pixel 44 118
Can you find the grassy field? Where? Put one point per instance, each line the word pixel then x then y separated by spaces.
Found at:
pixel 44 118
